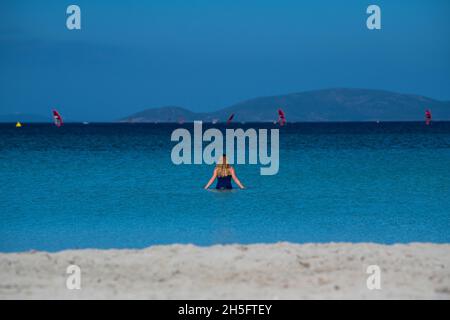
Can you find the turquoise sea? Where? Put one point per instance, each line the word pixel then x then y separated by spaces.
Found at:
pixel 114 186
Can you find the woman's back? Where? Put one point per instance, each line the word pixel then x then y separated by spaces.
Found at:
pixel 224 173
pixel 223 176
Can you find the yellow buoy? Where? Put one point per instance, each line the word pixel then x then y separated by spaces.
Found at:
pixel 18 125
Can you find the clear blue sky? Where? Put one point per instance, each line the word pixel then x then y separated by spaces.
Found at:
pixel 204 55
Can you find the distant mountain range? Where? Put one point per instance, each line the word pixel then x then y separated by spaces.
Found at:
pixel 309 106
pixel 319 105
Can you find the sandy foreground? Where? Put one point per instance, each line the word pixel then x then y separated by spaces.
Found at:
pixel 272 271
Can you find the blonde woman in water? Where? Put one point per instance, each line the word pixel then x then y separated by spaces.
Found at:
pixel 224 173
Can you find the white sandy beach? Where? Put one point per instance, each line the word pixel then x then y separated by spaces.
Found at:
pixel 272 271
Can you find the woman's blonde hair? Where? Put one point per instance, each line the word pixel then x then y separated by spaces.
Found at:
pixel 223 168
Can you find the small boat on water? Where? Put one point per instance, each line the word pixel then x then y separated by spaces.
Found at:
pixel 57 118
pixel 230 118
pixel 428 117
pixel 281 117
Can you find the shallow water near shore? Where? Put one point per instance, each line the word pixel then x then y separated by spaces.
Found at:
pixel 115 186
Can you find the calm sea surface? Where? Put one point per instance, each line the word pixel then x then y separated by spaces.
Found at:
pixel 114 186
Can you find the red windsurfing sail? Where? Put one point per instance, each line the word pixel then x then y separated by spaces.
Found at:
pixel 57 118
pixel 230 118
pixel 428 117
pixel 281 117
